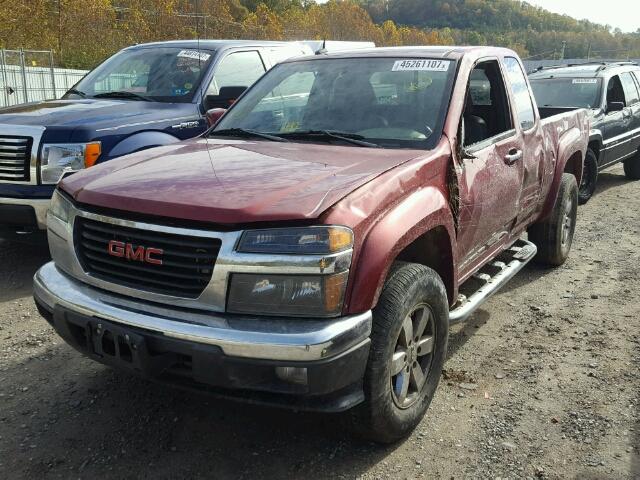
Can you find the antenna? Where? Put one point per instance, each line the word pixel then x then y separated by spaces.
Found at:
pixel 323 49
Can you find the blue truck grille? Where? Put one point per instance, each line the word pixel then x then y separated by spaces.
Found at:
pixel 158 262
pixel 15 153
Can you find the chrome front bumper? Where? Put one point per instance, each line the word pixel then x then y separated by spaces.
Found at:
pixel 267 338
pixel 39 205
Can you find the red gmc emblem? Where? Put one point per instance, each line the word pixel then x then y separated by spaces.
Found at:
pixel 136 254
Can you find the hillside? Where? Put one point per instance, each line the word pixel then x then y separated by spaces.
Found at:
pixel 84 32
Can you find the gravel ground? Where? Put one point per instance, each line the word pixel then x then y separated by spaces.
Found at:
pixel 542 382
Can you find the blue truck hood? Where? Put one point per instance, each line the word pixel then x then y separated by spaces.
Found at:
pixel 98 114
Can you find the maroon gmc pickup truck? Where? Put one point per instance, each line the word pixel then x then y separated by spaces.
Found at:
pixel 312 250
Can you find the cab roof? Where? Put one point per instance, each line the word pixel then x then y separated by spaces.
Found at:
pixel 586 70
pixel 209 44
pixel 435 52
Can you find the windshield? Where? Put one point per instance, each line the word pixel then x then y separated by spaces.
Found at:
pixel 161 74
pixel 567 92
pixel 389 102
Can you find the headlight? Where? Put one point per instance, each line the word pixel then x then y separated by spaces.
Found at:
pixel 295 295
pixel 61 158
pixel 60 207
pixel 304 240
pixel 303 295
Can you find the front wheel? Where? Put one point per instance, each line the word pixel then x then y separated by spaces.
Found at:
pixel 408 348
pixel 554 236
pixel 589 177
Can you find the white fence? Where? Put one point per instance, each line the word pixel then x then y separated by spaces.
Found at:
pixel 29 76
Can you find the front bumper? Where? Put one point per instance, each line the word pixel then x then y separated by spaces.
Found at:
pixel 227 355
pixel 24 214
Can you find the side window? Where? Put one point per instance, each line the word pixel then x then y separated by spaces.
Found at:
pixel 240 69
pixel 615 93
pixel 520 90
pixel 486 112
pixel 630 89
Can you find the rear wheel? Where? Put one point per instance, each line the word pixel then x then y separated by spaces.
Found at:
pixel 554 236
pixel 632 167
pixel 408 347
pixel 589 177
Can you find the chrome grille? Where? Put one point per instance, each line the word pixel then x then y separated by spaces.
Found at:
pixel 15 153
pixel 187 261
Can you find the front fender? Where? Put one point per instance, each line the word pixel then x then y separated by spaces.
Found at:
pixel 141 141
pixel 417 214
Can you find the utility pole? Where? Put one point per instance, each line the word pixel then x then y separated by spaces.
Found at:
pixel 589 52
pixel 564 46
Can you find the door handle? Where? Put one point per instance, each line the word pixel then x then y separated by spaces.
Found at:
pixel 513 156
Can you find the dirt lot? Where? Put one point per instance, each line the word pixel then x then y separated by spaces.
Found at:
pixel 543 382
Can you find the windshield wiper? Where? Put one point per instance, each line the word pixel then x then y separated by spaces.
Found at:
pixel 123 94
pixel 247 133
pixel 352 138
pixel 77 92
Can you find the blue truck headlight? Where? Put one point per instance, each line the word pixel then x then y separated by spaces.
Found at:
pixel 59 159
pixel 287 295
pixel 300 240
pixel 60 207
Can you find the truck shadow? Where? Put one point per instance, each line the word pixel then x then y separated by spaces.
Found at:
pixel 610 179
pixel 18 264
pixel 71 417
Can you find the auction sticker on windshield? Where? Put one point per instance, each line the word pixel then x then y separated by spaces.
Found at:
pixel 194 54
pixel 421 65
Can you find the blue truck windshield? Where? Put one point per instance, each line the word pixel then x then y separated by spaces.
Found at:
pixel 163 74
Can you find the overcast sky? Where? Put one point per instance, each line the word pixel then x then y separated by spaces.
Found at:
pixel 624 14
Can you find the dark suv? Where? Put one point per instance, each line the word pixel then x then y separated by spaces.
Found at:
pixel 612 92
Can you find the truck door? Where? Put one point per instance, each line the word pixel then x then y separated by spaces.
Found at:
pixel 617 123
pixel 533 150
pixel 490 174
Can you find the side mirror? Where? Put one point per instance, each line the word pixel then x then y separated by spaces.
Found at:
pixel 214 115
pixel 225 98
pixel 615 107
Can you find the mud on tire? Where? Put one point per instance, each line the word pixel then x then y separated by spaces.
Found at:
pixel 408 348
pixel 554 235
pixel 589 178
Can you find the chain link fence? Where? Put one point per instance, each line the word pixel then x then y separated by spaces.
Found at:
pixel 30 76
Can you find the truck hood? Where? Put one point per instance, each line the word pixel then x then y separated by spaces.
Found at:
pixel 97 113
pixel 232 181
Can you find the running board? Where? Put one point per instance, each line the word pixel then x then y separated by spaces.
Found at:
pixel 490 278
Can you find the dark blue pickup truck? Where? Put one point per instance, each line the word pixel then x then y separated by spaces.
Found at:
pixel 144 96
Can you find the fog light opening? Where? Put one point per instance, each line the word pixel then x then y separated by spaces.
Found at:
pixel 297 375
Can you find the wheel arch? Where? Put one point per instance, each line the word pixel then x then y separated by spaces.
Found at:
pixel 420 229
pixel 141 141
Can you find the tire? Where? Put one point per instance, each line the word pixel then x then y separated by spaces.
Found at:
pixel 632 168
pixel 413 295
pixel 554 236
pixel 589 178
